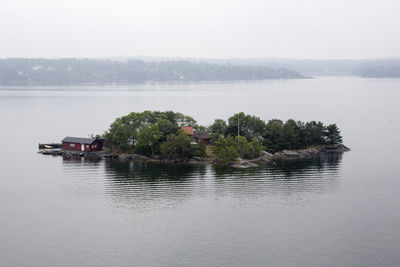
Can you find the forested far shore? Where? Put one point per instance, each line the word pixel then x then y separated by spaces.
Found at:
pixel 174 135
pixel 367 68
pixel 77 71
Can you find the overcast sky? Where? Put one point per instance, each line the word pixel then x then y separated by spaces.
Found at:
pixel 203 28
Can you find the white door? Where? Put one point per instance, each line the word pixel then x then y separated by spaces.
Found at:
pixel 82 147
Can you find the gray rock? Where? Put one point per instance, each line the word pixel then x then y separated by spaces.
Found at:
pixel 244 165
pixel 138 157
pixel 279 155
pixel 291 154
pixel 265 156
pixel 265 153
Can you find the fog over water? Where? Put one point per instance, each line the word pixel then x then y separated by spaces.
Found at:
pixel 337 210
pixel 204 29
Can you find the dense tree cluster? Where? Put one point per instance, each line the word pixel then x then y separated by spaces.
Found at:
pixel 64 71
pixel 159 133
pixel 229 148
pixel 380 69
pixel 247 135
pixel 153 133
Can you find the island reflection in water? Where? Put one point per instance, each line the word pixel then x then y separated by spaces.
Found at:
pixel 147 184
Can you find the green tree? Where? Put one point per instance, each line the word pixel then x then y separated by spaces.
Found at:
pixel 249 150
pixel 217 129
pixel 124 131
pixel 254 148
pixel 121 135
pixel 198 150
pixel 333 135
pixel 176 146
pixel 242 145
pixel 289 137
pixel 148 138
pixel 314 133
pixel 248 126
pixel 166 128
pixel 180 119
pixel 225 149
pixel 272 133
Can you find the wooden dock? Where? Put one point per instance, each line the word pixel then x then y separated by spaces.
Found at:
pixel 50 146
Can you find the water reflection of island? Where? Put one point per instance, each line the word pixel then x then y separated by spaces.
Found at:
pixel 144 184
pixel 86 161
pixel 81 176
pixel 281 180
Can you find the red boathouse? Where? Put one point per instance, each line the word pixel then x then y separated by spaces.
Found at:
pixel 82 144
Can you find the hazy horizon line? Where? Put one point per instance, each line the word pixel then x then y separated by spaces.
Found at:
pixel 202 58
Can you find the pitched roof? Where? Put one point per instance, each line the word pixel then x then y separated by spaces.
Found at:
pixel 201 135
pixel 79 140
pixel 188 130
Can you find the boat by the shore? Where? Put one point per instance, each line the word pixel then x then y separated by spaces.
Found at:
pixel 50 146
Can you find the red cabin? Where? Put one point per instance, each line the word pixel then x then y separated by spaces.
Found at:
pixel 82 144
pixel 198 136
pixel 202 137
pixel 188 130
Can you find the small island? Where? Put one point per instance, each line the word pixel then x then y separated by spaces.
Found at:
pixel 242 141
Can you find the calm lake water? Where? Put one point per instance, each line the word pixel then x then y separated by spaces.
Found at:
pixel 339 210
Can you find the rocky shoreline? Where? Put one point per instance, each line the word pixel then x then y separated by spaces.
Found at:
pixel 264 158
pixel 308 153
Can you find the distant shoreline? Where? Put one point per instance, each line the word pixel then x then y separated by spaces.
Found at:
pixel 17 83
pixel 73 70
